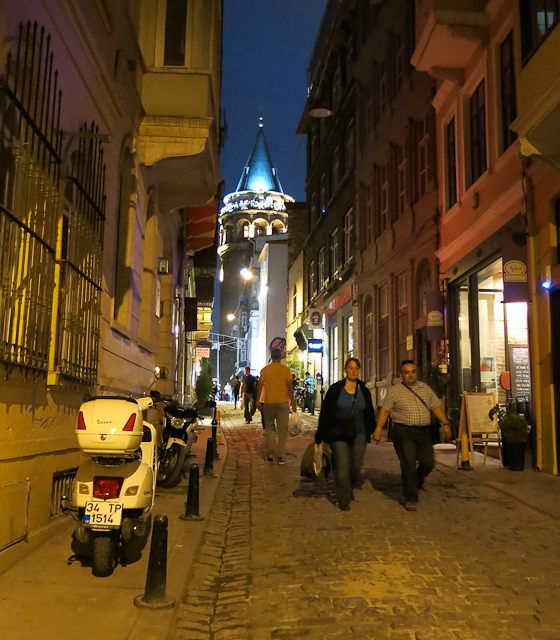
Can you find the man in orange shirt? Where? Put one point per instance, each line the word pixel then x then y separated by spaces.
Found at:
pixel 278 395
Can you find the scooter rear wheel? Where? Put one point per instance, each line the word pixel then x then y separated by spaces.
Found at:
pixel 170 466
pixel 105 548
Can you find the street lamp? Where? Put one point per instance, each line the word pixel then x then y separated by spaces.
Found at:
pixel 230 317
pixel 246 274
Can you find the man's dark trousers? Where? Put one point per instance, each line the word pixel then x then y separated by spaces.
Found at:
pixel 310 402
pixel 249 404
pixel 413 445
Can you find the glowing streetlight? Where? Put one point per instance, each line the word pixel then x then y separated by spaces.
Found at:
pixel 246 274
pixel 230 316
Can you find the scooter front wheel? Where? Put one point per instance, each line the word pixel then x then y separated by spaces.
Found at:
pixel 105 548
pixel 170 466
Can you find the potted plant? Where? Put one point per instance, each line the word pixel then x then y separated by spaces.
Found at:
pixel 203 389
pixel 513 427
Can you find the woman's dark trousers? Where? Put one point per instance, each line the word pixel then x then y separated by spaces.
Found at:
pixel 413 445
pixel 348 460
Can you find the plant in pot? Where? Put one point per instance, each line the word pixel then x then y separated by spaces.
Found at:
pixel 513 427
pixel 203 388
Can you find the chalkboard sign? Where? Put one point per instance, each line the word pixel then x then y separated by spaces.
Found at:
pixel 520 371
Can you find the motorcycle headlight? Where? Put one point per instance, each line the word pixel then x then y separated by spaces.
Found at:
pixel 177 423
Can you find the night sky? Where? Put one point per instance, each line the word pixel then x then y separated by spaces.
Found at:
pixel 267 45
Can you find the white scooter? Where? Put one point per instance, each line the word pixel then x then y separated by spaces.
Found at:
pixel 114 489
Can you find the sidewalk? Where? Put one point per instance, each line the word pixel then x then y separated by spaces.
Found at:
pixel 44 597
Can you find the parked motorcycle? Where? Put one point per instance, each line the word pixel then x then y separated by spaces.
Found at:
pixel 177 437
pixel 114 489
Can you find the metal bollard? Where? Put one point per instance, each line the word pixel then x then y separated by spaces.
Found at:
pixel 192 503
pixel 465 462
pixel 209 460
pixel 154 596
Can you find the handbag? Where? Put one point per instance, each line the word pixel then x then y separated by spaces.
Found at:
pixel 435 433
pixel 345 429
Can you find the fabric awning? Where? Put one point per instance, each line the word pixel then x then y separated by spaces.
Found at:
pixel 201 225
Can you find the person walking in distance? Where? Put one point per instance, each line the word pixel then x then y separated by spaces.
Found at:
pixel 410 404
pixel 247 391
pixel 278 395
pixel 346 422
pixel 235 391
pixel 309 386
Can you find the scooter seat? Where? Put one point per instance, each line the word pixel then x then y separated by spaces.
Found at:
pixel 177 410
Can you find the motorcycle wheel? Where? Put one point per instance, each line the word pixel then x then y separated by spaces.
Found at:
pixel 170 466
pixel 105 547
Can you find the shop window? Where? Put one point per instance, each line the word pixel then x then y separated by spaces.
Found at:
pixel 538 19
pixel 491 334
pixel 450 165
pixel 478 132
pixel 348 340
pixel 383 333
pixel 508 92
pixel 175 33
pixel 333 353
pixel 368 338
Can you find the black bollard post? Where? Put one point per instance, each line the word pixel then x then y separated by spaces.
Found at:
pixel 209 460
pixel 192 503
pixel 215 453
pixel 154 596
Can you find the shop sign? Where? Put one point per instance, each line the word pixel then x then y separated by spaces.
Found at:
pixel 520 372
pixel 203 352
pixel 316 318
pixel 316 346
pixel 434 307
pixel 514 260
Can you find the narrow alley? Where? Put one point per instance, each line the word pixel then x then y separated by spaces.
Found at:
pixel 280 560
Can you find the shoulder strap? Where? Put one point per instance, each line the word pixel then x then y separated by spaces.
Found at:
pixel 419 398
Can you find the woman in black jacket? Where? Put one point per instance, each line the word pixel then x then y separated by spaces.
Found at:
pixel 346 422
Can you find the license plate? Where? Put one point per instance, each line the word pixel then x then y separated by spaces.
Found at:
pixel 103 515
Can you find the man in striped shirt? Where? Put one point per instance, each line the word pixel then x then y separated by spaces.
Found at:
pixel 410 404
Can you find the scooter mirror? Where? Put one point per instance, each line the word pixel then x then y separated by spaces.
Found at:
pixel 162 373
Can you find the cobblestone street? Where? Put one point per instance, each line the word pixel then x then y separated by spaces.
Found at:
pixel 280 560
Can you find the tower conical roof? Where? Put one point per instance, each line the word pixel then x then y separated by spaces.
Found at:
pixel 259 174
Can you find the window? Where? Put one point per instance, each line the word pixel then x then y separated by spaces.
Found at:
pixel 450 165
pixel 423 158
pixel 368 338
pixel 322 280
pixel 538 18
pixel 509 102
pixel 478 132
pixel 350 148
pixel 401 153
pixel 383 333
pixel 384 181
pixel 368 197
pixel 246 230
pixel 336 89
pixel 334 253
pixel 349 236
pixel 349 57
pixel 369 111
pixel 402 318
pixel 400 61
pixel 383 88
pixel 314 208
pixel 311 281
pixel 322 195
pixel 335 171
pixel 175 33
pixel 294 302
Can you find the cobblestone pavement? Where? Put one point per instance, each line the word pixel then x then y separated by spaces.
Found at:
pixel 280 560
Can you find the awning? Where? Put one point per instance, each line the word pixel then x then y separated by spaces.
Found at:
pixel 201 225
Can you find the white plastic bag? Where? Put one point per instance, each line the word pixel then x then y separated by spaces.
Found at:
pixel 295 425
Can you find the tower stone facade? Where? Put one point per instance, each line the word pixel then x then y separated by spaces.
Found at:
pixel 250 215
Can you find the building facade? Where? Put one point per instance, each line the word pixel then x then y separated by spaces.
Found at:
pixel 100 223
